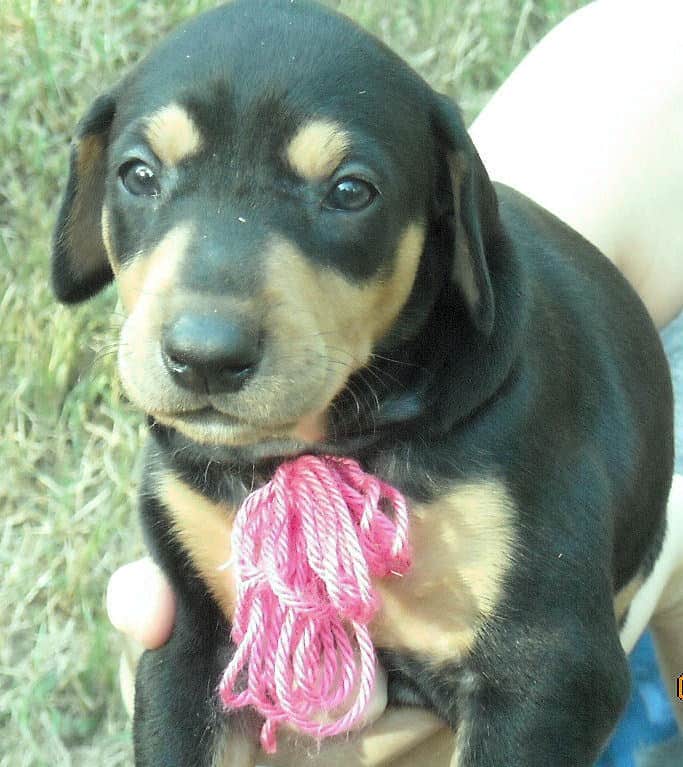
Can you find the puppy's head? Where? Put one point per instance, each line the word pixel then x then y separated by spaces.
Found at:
pixel 275 193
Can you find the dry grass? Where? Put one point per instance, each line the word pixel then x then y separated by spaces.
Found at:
pixel 69 442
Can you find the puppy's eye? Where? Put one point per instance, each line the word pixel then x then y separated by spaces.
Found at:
pixel 139 179
pixel 351 194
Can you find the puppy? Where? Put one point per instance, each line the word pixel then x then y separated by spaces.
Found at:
pixel 312 259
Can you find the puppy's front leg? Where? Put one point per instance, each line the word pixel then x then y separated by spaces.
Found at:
pixel 540 696
pixel 178 720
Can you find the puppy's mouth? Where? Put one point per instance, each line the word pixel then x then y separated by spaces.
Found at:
pixel 207 416
pixel 212 427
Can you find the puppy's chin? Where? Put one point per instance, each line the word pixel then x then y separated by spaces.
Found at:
pixel 207 435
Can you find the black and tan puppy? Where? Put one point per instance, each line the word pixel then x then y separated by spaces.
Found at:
pixel 312 259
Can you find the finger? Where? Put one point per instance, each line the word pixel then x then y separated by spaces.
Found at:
pixel 141 604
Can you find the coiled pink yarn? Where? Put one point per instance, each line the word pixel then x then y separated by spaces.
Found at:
pixel 307 544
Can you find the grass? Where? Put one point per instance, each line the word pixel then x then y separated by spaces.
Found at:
pixel 69 440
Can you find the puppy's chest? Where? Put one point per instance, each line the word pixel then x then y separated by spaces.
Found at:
pixel 462 549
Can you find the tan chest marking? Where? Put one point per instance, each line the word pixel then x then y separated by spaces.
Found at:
pixel 204 529
pixel 463 548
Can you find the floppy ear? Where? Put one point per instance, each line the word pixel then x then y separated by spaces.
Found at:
pixel 467 201
pixel 80 266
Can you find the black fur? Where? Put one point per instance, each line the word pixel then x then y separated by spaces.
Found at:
pixel 552 381
pixel 78 276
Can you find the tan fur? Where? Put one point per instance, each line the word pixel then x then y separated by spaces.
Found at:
pixel 107 240
pixel 204 529
pixel 320 329
pixel 173 135
pixel 221 431
pixel 317 149
pixel 83 227
pixel 144 285
pixel 152 275
pixel 469 682
pixel 463 547
pixel 349 317
pixel 623 599
pixel 460 744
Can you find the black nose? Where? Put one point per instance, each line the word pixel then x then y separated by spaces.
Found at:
pixel 209 353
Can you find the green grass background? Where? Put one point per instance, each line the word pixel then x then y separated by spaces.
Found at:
pixel 69 439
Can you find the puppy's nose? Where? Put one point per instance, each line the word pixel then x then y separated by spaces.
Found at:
pixel 209 353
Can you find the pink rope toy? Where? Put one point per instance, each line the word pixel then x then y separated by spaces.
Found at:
pixel 307 544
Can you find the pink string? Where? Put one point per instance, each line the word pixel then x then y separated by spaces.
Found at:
pixel 307 544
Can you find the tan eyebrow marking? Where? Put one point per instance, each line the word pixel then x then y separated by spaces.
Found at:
pixel 317 149
pixel 172 134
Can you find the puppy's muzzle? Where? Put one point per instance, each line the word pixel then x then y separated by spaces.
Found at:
pixel 210 354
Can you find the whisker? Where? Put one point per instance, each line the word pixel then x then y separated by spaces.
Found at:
pixel 395 361
pixel 387 376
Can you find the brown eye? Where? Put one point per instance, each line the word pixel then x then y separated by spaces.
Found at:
pixel 351 194
pixel 139 179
